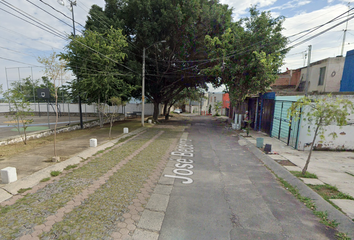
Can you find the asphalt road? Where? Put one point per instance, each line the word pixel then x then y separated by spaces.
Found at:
pixel 233 195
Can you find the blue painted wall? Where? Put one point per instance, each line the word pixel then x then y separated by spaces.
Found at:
pixel 347 83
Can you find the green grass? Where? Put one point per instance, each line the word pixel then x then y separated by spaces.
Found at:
pixel 71 166
pixel 324 219
pixel 22 190
pixel 342 236
pixel 330 192
pixel 307 174
pixel 45 179
pixel 55 173
pixel 350 174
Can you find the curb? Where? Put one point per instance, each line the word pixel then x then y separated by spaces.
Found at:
pixel 346 225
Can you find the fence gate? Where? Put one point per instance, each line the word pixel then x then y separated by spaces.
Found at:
pixel 282 129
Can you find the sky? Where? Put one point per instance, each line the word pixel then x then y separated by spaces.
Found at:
pixel 21 43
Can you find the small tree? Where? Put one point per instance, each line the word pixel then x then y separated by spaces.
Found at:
pixel 56 72
pixel 115 101
pixel 20 111
pixel 319 113
pixel 217 107
pixel 209 109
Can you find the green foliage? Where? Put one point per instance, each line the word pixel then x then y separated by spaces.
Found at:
pixel 307 175
pixel 20 112
pixel 324 219
pixel 71 166
pixel 209 110
pixel 45 179
pixel 183 24
pixel 342 236
pixel 22 190
pixel 247 55
pixel 55 173
pixel 321 112
pixel 218 107
pixel 96 59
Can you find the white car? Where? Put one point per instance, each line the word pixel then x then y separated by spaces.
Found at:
pixel 177 111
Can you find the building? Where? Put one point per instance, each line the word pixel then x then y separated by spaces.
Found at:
pixel 347 83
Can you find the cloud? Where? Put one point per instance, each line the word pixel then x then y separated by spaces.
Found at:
pixel 240 6
pixel 325 45
pixel 27 42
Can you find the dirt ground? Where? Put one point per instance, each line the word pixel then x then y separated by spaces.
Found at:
pixel 37 154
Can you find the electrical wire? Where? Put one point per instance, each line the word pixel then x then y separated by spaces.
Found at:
pixel 19 62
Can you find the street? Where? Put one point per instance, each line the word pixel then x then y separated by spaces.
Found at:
pixel 233 195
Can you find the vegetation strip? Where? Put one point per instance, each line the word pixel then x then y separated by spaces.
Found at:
pixel 76 201
pixel 106 210
pixel 143 197
pixel 33 209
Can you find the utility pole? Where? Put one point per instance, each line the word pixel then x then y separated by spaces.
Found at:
pixel 345 32
pixel 308 70
pixel 71 8
pixel 143 91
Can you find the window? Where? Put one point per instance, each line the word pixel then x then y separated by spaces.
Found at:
pixel 322 75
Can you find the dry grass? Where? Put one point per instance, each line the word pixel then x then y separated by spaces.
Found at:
pixel 10 150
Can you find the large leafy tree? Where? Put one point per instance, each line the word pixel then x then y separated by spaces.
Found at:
pixel 97 61
pixel 170 66
pixel 248 55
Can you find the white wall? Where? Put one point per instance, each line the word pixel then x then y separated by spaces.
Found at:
pixel 74 108
pixel 345 139
pixel 332 78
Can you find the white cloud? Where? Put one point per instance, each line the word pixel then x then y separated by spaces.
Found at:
pixel 240 6
pixel 20 36
pixel 325 45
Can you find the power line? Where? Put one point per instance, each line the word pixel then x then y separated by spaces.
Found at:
pixel 42 25
pixel 19 62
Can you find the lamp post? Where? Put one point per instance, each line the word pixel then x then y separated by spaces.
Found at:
pixel 143 84
pixel 71 8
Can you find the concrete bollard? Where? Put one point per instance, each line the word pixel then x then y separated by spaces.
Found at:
pixel 125 130
pixel 150 121
pixel 93 142
pixel 259 142
pixel 8 175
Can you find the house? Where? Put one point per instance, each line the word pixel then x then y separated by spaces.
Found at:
pixel 347 83
pixel 325 75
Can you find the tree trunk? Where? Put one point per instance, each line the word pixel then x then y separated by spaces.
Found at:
pixel 310 153
pixel 56 121
pixel 156 111
pixel 165 108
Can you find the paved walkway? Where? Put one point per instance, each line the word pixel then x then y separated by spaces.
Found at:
pixel 331 167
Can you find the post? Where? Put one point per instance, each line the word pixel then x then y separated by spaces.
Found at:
pixel 72 4
pixel 143 91
pixel 308 70
pixel 345 32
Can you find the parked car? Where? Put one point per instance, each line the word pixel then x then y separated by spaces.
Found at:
pixel 177 111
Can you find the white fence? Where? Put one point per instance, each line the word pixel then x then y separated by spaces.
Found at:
pixel 70 108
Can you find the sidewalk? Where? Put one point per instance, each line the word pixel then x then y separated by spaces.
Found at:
pixel 333 168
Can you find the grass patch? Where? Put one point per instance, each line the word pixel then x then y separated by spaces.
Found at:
pixel 22 190
pixel 324 219
pixel 4 210
pixel 45 179
pixel 330 192
pixel 307 174
pixel 55 173
pixel 101 151
pixel 342 236
pixel 117 129
pixel 71 166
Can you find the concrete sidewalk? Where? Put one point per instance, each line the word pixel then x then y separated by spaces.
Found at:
pixel 331 167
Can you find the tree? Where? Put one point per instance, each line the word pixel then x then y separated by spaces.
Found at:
pixel 20 111
pixel 170 67
pixel 319 113
pixel 217 107
pixel 55 71
pixel 96 59
pixel 247 56
pixel 116 102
